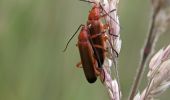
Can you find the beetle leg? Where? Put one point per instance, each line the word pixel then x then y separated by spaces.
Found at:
pixel 102 76
pixel 105 37
pixel 100 72
pixel 95 35
pixel 79 65
pixel 99 46
pixel 106 26
pixel 96 69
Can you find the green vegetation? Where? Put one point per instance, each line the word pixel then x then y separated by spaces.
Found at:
pixel 33 34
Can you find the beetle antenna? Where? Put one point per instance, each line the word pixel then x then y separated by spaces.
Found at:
pixel 88 1
pixel 108 13
pixel 72 37
pixel 117 54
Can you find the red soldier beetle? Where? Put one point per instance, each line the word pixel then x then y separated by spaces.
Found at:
pixel 97 32
pixel 86 54
pixel 98 35
pixel 91 44
pixel 89 63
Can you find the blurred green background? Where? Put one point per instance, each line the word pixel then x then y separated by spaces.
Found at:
pixel 33 34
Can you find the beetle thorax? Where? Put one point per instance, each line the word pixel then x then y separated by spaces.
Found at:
pixel 94 13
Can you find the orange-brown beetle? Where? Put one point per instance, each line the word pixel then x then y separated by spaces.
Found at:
pixel 91 44
pixel 88 61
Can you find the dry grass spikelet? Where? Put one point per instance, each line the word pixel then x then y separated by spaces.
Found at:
pixel 158 75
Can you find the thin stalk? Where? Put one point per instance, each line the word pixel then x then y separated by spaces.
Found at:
pixel 137 79
pixel 149 47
